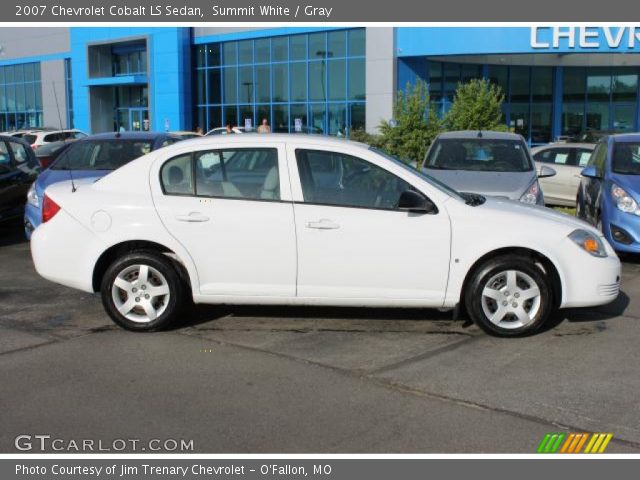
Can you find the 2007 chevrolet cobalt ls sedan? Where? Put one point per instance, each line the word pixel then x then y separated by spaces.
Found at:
pixel 309 220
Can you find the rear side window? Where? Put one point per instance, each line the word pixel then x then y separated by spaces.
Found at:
pixel 177 176
pixel 626 158
pixel 20 153
pixel 54 137
pixel 250 174
pixel 583 156
pixel 5 159
pixel 30 139
pixel 558 156
pixel 101 154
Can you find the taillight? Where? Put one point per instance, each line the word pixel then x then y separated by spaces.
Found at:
pixel 34 147
pixel 49 208
pixel 45 162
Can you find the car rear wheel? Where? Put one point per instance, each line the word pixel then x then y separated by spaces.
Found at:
pixel 142 291
pixel 509 296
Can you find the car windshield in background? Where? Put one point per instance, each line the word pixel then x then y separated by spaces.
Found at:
pixel 101 154
pixel 479 154
pixel 626 158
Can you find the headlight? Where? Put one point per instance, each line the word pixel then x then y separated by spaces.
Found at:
pixel 588 242
pixel 624 201
pixel 532 193
pixel 32 196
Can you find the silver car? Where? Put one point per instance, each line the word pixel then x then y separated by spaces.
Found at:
pixel 568 160
pixel 496 164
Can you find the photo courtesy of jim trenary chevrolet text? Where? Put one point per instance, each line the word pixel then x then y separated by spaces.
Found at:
pixel 318 240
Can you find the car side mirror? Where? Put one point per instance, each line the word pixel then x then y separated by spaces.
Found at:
pixel 590 172
pixel 414 202
pixel 545 172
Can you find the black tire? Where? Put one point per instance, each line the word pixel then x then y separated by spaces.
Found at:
pixel 162 271
pixel 476 305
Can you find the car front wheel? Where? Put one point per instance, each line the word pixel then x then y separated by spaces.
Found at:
pixel 142 291
pixel 509 296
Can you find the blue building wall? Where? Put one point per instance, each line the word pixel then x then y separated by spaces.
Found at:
pixel 170 72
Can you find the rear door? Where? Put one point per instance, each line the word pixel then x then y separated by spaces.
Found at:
pixel 563 186
pixel 234 217
pixel 18 170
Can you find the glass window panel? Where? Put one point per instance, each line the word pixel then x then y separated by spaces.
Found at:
pixel 469 72
pixel 230 115
pixel 214 86
pixel 625 88
pixel 263 87
pixel 542 84
pixel 572 118
pixel 499 75
pixel 201 96
pixel 598 87
pixel 298 82
pixel 215 118
pixel 3 99
pixel 200 55
pixel 246 113
pixel 623 117
pixel 540 123
pixel 213 55
pixel 245 52
pixel 317 118
pixel 597 116
pixel 280 82
pixel 357 116
pixel 280 49
pixel 36 72
pixel 435 81
pixel 200 118
pixel 280 121
pixel 229 53
pixel 28 72
pixel 263 112
pixel 2 74
pixel 230 85
pixel 337 43
pixel 298 47
pixel 357 42
pixel 30 96
pixel 299 116
pixel 356 79
pixel 337 119
pixel 520 84
pixel 262 50
pixel 574 84
pixel 451 79
pixel 337 79
pixel 9 74
pixel 317 45
pixel 317 87
pixel 520 119
pixel 247 85
pixel 19 96
pixel 38 92
pixel 18 73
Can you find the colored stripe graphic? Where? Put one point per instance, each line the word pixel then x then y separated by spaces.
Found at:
pixel 573 442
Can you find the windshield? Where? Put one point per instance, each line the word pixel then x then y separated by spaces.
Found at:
pixel 428 178
pixel 626 158
pixel 479 155
pixel 101 154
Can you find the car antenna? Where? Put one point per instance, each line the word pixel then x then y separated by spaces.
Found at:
pixel 479 133
pixel 55 95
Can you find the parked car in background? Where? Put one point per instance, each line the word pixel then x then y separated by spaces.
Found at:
pixel 568 160
pixel 18 169
pixel 37 138
pixel 48 152
pixel 186 134
pixel 91 157
pixel 609 192
pixel 165 228
pixel 489 163
pixel 223 131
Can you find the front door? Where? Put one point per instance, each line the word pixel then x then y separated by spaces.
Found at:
pixel 227 208
pixel 353 243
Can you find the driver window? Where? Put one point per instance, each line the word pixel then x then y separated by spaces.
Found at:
pixel 331 178
pixel 5 160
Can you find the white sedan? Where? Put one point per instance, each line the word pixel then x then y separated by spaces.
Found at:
pixel 310 220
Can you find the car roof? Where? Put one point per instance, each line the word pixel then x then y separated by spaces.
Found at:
pixel 129 136
pixel 590 146
pixel 269 138
pixel 486 134
pixel 625 137
pixel 9 138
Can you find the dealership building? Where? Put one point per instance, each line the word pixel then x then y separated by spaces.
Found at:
pixel 557 80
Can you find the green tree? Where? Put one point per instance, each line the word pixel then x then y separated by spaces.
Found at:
pixel 416 125
pixel 476 106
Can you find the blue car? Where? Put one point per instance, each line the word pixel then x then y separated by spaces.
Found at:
pixel 91 157
pixel 609 192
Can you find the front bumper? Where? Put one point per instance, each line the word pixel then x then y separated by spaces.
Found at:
pixel 629 223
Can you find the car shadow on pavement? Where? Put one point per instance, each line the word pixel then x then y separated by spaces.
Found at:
pixel 596 314
pixel 11 233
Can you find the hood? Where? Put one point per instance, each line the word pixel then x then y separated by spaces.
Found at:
pixel 537 212
pixel 511 185
pixel 49 177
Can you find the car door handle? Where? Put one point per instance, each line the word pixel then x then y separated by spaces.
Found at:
pixel 323 224
pixel 192 217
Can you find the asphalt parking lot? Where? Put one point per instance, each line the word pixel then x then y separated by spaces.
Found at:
pixel 318 380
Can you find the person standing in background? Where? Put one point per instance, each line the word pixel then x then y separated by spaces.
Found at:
pixel 264 126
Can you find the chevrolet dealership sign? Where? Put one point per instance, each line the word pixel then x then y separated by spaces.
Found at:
pixel 585 37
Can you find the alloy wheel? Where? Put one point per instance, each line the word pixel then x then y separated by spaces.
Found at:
pixel 140 293
pixel 511 299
